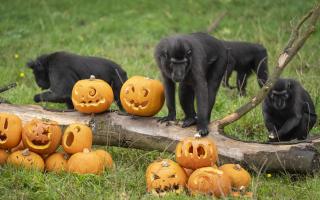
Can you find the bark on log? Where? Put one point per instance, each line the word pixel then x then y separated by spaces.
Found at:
pixel 145 133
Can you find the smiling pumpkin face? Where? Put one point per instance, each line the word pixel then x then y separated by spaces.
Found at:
pixel 165 176
pixel 92 95
pixel 10 130
pixel 41 136
pixel 142 96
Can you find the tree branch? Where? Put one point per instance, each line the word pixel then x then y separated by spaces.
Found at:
pixel 294 44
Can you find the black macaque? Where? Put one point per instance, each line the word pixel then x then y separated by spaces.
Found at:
pixel 246 58
pixel 59 71
pixel 197 62
pixel 288 111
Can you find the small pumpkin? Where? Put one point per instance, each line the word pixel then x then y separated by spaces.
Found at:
pixel 92 95
pixel 105 157
pixel 86 162
pixel 142 96
pixel 76 137
pixel 165 176
pixel 57 162
pixel 10 130
pixel 27 159
pixel 196 152
pixel 209 181
pixel 240 178
pixel 3 156
pixel 41 136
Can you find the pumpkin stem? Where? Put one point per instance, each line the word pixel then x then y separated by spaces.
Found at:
pixel 25 152
pixel 165 164
pixel 92 77
pixel 237 167
pixel 86 150
pixel 197 136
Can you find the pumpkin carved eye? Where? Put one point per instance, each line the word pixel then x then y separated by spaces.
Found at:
pixel 155 177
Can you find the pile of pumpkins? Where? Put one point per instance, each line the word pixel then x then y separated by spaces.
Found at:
pixel 140 96
pixel 197 171
pixel 34 146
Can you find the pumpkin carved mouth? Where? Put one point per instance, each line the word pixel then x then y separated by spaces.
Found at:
pixel 3 137
pixel 137 105
pixel 39 136
pixel 176 188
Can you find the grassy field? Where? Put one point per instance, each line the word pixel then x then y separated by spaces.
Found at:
pixel 126 32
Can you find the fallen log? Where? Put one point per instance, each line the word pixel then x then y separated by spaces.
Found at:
pixel 145 133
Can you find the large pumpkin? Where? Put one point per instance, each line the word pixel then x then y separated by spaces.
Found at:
pixel 10 130
pixel 209 181
pixel 85 162
pixel 57 162
pixel 142 96
pixel 76 137
pixel 41 136
pixel 196 152
pixel 92 95
pixel 240 178
pixel 26 159
pixel 164 176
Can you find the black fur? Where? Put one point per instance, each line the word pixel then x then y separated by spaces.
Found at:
pixel 59 71
pixel 288 111
pixel 246 58
pixel 198 62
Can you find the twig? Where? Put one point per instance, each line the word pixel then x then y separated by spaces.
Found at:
pixel 296 41
pixel 7 87
pixel 215 23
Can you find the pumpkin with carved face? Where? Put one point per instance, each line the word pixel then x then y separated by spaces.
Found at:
pixel 92 95
pixel 196 152
pixel 142 96
pixel 209 181
pixel 165 176
pixel 76 137
pixel 41 136
pixel 10 130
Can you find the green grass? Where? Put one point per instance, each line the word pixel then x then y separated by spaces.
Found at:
pixel 126 32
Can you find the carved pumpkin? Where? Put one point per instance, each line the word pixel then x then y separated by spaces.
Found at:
pixel 194 153
pixel 165 176
pixel 3 156
pixel 142 96
pixel 57 162
pixel 105 157
pixel 85 162
pixel 209 181
pixel 240 178
pixel 10 130
pixel 41 136
pixel 26 159
pixel 92 95
pixel 76 137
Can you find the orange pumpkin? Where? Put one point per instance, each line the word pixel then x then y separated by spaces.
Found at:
pixel 41 136
pixel 240 178
pixel 105 157
pixel 76 137
pixel 92 95
pixel 209 181
pixel 142 96
pixel 26 159
pixel 3 156
pixel 10 130
pixel 196 152
pixel 85 162
pixel 57 162
pixel 164 176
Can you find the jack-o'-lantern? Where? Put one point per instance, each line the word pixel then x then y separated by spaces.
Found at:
pixel 26 159
pixel 105 157
pixel 165 176
pixel 196 152
pixel 142 96
pixel 76 137
pixel 41 136
pixel 240 178
pixel 57 162
pixel 92 95
pixel 3 156
pixel 86 162
pixel 209 181
pixel 10 130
